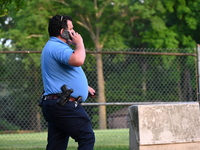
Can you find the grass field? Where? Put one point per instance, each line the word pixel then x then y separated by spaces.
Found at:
pixel 115 139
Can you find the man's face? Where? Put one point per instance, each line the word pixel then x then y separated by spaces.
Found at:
pixel 70 26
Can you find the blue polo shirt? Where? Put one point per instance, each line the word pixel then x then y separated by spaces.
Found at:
pixel 56 70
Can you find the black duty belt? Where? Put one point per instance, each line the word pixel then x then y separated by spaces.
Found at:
pixel 55 96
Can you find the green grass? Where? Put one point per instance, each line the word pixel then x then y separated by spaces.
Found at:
pixel 115 139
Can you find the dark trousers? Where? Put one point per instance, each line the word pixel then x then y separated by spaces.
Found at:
pixel 67 121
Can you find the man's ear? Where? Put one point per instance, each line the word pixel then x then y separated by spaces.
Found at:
pixel 61 31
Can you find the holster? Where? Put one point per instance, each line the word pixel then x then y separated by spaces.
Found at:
pixel 64 96
pixel 41 99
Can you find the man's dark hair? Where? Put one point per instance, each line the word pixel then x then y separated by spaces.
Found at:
pixel 56 23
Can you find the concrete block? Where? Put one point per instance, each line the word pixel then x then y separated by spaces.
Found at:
pixel 165 126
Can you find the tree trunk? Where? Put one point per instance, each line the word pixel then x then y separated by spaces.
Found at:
pixel 101 92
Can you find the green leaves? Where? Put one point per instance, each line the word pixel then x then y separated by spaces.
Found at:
pixel 6 6
pixel 167 24
pixel 108 23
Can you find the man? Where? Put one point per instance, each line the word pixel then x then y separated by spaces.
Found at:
pixel 62 66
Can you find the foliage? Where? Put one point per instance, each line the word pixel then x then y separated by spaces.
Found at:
pixel 168 24
pixel 12 87
pixel 103 24
pixel 30 26
pixel 152 23
pixel 6 125
pixel 7 5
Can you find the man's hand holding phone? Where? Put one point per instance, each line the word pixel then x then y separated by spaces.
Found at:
pixel 76 38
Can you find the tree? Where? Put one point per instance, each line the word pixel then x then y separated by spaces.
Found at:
pixel 105 24
pixel 7 5
pixel 27 32
pixel 167 24
pixel 103 21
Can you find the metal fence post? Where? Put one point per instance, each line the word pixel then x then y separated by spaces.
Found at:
pixel 198 71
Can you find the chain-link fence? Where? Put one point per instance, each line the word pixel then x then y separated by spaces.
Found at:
pixel 130 76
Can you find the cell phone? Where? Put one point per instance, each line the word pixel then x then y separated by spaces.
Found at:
pixel 66 35
pixel 89 95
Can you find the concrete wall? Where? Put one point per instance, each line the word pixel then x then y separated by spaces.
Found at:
pixel 174 126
